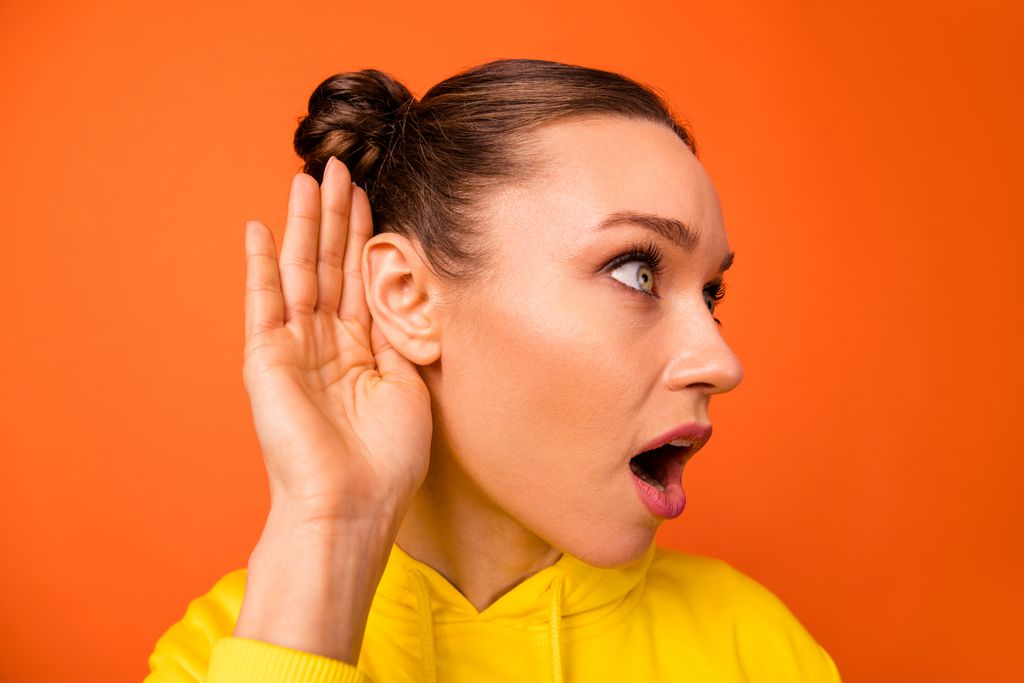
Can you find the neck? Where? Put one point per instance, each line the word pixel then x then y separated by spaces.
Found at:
pixel 455 528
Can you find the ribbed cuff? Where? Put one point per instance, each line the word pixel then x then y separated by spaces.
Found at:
pixel 243 660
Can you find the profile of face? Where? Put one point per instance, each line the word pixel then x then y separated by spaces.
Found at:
pixel 556 368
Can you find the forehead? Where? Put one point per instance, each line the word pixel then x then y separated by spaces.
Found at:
pixel 590 168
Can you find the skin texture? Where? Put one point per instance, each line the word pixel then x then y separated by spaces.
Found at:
pixel 549 374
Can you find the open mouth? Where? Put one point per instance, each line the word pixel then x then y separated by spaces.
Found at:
pixel 657 465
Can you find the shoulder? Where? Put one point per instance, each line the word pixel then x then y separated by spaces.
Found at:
pixel 201 648
pixel 712 583
pixel 182 653
pixel 747 618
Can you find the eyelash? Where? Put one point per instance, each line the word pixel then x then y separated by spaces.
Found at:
pixel 652 255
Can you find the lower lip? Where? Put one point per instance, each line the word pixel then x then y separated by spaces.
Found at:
pixel 668 503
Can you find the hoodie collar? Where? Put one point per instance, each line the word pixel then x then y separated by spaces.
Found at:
pixel 587 592
pixel 570 590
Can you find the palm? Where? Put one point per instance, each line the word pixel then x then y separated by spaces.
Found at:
pixel 343 419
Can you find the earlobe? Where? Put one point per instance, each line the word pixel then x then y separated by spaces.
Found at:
pixel 399 290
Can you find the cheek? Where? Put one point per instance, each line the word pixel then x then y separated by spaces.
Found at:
pixel 543 389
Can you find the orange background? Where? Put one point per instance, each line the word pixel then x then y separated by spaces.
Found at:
pixel 868 470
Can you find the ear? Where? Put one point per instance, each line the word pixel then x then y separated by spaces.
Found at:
pixel 402 294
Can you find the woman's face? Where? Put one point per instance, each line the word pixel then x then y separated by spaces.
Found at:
pixel 555 368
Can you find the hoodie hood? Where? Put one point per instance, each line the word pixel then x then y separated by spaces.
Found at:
pixel 568 594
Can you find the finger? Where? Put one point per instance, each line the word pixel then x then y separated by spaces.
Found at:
pixel 298 249
pixel 360 230
pixel 386 356
pixel 264 304
pixel 335 201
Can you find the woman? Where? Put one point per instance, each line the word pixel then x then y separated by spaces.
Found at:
pixel 488 303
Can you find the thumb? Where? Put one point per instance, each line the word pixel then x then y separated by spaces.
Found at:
pixel 389 360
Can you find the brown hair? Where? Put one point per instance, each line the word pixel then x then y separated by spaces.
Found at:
pixel 426 165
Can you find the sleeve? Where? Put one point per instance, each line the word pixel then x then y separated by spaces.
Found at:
pixel 772 644
pixel 200 648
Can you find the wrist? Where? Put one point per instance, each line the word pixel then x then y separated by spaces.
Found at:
pixel 361 514
pixel 310 583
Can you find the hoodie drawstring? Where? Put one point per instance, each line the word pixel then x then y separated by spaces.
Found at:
pixel 556 628
pixel 428 652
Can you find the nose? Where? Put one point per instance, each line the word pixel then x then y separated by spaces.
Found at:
pixel 704 359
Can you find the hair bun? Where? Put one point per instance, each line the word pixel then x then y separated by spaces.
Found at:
pixel 353 116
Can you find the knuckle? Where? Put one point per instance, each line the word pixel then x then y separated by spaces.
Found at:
pixel 298 261
pixel 311 216
pixel 330 258
pixel 262 285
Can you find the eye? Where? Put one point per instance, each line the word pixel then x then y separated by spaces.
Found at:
pixel 641 277
pixel 714 292
pixel 649 258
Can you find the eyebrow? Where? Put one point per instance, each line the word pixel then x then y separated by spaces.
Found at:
pixel 674 230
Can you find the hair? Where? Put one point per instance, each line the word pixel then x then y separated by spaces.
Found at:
pixel 427 165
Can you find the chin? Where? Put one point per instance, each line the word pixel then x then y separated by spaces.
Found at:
pixel 602 552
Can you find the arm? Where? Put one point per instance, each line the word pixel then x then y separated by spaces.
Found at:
pixel 344 424
pixel 201 646
pixel 311 585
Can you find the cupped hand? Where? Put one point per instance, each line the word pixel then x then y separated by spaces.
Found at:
pixel 343 419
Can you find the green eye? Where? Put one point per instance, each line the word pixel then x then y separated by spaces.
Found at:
pixel 641 278
pixel 642 275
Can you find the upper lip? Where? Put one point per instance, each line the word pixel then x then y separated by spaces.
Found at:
pixel 695 433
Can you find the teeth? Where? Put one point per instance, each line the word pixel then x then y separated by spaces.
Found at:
pixel 680 442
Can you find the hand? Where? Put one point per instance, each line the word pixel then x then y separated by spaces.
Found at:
pixel 343 419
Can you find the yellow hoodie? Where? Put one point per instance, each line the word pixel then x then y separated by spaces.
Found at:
pixel 668 616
